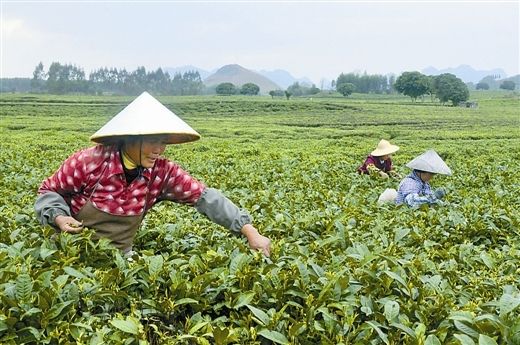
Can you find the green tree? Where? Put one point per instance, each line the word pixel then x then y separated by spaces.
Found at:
pixel 109 80
pixel 345 89
pixel 365 83
pixel 38 80
pixel 66 78
pixel 491 81
pixel 482 86
pixel 225 89
pixel 138 81
pixel 189 83
pixel 288 94
pixel 448 87
pixel 158 82
pixel 177 84
pixel 314 90
pixel 295 89
pixel 508 85
pixel 390 83
pixel 249 89
pixel 430 91
pixel 276 93
pixel 412 84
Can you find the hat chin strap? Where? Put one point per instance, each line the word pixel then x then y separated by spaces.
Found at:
pixel 140 166
pixel 140 151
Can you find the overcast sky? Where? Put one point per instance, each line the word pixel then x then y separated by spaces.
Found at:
pixel 315 39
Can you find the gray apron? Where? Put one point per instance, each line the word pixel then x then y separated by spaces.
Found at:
pixel 120 230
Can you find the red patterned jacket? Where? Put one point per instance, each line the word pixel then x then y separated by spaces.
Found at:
pixel 386 166
pixel 96 173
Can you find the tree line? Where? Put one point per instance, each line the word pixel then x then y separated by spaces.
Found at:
pixel 445 87
pixel 364 83
pixel 296 89
pixel 484 84
pixel 250 89
pixel 66 78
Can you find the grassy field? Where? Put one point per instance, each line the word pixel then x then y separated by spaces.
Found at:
pixel 343 270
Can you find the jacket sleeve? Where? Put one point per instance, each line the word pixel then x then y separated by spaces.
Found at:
pixel 410 193
pixel 181 187
pixel 70 176
pixel 219 209
pixel 50 205
pixel 416 200
pixel 68 179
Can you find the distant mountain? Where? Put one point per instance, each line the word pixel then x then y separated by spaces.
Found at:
pixel 284 78
pixel 494 83
pixel 182 69
pixel 239 76
pixel 279 77
pixel 466 73
pixel 516 80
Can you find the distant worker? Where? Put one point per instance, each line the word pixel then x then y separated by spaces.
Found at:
pixel 379 162
pixel 414 190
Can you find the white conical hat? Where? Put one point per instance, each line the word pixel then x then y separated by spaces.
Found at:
pixel 384 148
pixel 429 161
pixel 146 116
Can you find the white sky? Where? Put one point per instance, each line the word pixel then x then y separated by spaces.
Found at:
pixel 315 39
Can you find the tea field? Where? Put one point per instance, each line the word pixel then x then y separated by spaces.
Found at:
pixel 343 270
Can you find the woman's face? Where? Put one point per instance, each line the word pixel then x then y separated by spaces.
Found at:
pixel 426 176
pixel 146 150
pixel 385 157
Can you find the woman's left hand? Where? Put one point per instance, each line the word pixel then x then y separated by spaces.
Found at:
pixel 256 241
pixel 394 174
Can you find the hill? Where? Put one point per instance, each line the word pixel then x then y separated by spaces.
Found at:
pixel 466 73
pixel 239 76
pixel 494 84
pixel 284 78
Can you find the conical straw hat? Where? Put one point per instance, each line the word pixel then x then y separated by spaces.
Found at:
pixel 429 161
pixel 384 148
pixel 146 116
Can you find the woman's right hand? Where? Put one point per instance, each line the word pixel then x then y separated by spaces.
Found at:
pixel 383 175
pixel 68 224
pixel 440 193
pixel 256 241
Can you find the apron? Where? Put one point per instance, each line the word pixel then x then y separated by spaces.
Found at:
pixel 120 230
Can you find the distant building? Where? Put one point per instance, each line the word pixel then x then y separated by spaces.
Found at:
pixel 473 105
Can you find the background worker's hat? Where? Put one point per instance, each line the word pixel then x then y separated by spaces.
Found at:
pixel 384 148
pixel 145 116
pixel 429 161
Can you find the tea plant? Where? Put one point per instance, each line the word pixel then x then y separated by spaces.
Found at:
pixel 343 270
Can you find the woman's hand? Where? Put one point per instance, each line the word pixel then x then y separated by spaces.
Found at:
pixel 394 174
pixel 440 193
pixel 256 241
pixel 383 175
pixel 68 224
